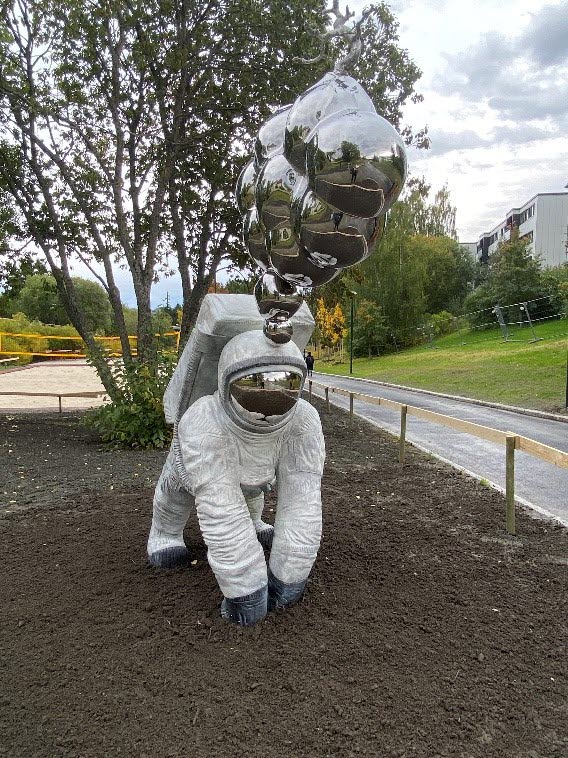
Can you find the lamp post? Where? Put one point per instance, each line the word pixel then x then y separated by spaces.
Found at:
pixel 352 295
pixel 566 397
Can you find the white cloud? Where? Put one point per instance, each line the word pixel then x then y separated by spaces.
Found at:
pixel 495 89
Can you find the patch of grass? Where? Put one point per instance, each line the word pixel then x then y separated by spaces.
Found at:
pixel 479 365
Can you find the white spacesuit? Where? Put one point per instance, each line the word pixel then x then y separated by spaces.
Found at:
pixel 228 449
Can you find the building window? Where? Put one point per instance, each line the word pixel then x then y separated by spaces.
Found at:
pixel 525 215
pixel 528 237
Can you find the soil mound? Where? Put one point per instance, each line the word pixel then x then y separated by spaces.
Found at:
pixel 425 631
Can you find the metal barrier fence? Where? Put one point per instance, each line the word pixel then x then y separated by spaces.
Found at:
pixel 59 346
pixel 510 440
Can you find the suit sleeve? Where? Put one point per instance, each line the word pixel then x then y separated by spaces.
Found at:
pixel 298 524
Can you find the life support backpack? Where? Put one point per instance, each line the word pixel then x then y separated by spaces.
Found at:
pixel 220 318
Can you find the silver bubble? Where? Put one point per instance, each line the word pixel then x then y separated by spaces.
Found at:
pixel 324 174
pixel 302 270
pixel 270 138
pixel 253 236
pixel 279 332
pixel 276 299
pixel 281 240
pixel 333 93
pixel 274 188
pixel 357 163
pixel 334 239
pixel 245 189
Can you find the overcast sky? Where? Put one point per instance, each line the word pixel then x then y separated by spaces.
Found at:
pixel 495 86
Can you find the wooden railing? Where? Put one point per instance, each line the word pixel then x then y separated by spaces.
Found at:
pixel 510 440
pixel 58 395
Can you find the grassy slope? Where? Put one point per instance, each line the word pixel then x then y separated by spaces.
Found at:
pixel 523 373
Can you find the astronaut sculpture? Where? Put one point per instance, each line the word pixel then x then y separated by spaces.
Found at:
pixel 314 199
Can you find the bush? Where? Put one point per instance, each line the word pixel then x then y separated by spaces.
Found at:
pixel 21 324
pixel 444 323
pixel 555 282
pixel 136 419
pixel 478 307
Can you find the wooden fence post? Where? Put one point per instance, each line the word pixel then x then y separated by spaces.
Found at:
pixel 510 444
pixel 327 399
pixel 60 407
pixel 402 433
pixel 350 410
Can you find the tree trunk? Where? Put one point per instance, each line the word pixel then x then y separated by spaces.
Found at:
pixel 146 340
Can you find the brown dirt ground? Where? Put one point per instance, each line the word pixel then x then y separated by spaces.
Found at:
pixel 425 631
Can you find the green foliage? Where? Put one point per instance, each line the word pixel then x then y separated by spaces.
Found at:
pixel 449 271
pixel 13 274
pixel 478 307
pixel 370 329
pixel 20 323
pixel 162 320
pixel 443 323
pixel 513 276
pixel 95 304
pixel 39 299
pixel 240 285
pixel 135 419
pixel 394 277
pixel 130 319
pixel 436 219
pixel 417 268
pixel 555 283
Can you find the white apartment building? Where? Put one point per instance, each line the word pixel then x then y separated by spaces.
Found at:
pixel 542 220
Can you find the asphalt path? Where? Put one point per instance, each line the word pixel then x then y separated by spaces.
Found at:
pixel 538 484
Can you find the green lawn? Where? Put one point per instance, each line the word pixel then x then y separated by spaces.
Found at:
pixel 479 365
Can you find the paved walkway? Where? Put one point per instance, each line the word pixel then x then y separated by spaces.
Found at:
pixel 56 376
pixel 537 483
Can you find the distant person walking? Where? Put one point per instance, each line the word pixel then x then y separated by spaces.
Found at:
pixel 310 363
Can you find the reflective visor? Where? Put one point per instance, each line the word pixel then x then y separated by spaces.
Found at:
pixel 265 396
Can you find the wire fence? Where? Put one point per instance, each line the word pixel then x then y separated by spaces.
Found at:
pixel 527 321
pixel 510 322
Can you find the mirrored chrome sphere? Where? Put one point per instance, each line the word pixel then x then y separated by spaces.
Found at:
pixel 356 162
pixel 270 138
pixel 254 238
pixel 246 187
pixel 279 332
pixel 276 298
pixel 333 93
pixel 274 187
